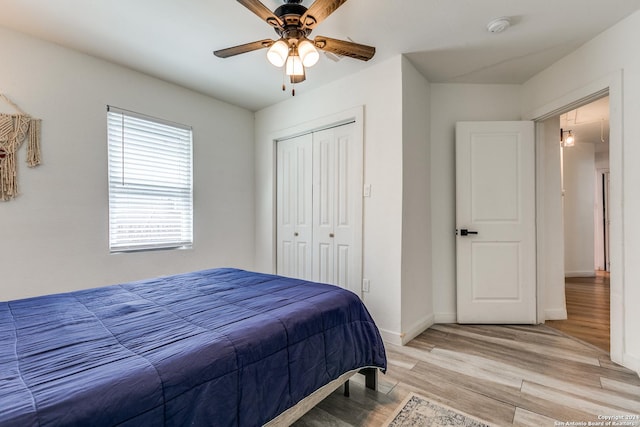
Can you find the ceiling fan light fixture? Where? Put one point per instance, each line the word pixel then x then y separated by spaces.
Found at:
pixel 278 53
pixel 293 23
pixel 308 53
pixel 294 66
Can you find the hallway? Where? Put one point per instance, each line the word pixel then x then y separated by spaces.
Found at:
pixel 587 310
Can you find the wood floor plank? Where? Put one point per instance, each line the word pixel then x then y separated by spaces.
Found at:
pixel 318 417
pixel 622 387
pixel 526 418
pixel 578 402
pixel 465 364
pixel 535 348
pixel 395 356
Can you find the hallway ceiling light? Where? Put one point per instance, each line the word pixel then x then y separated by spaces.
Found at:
pixel 569 141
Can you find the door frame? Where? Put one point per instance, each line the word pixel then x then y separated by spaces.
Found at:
pixel 355 115
pixel 611 85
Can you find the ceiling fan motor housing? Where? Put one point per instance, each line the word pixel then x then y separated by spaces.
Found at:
pixel 290 14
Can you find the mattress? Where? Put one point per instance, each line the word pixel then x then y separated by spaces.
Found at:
pixel 223 347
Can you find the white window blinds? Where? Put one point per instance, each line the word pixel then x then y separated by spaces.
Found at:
pixel 150 183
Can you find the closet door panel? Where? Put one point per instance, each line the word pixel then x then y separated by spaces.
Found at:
pixel 294 207
pixel 324 205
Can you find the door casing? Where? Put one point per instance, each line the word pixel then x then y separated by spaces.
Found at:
pixel 612 85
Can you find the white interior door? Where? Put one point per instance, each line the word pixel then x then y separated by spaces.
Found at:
pixel 337 207
pixel 294 207
pixel 495 221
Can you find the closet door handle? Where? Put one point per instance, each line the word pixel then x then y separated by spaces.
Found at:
pixel 295 234
pixel 330 234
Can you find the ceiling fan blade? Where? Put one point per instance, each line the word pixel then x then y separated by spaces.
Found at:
pixel 243 48
pixel 318 11
pixel 345 48
pixel 263 12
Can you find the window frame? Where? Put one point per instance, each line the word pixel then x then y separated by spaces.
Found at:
pixel 140 197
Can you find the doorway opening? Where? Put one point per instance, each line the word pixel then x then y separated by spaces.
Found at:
pixel 585 205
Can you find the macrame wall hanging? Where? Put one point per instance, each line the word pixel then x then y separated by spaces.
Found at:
pixel 14 130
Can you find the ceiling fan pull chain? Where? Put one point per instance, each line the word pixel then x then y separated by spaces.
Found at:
pixel 284 78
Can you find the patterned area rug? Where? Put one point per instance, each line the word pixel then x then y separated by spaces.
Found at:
pixel 416 411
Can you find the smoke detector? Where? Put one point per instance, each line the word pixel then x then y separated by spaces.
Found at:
pixel 498 25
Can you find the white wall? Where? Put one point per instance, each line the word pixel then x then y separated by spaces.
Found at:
pixel 602 160
pixel 579 199
pixel 417 292
pixel 54 236
pixel 451 103
pixel 609 60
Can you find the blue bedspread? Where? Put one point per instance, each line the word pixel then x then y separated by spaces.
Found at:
pixel 220 347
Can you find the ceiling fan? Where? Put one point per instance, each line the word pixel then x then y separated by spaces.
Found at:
pixel 293 22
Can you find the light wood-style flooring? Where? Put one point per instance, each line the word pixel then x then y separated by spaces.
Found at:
pixel 587 310
pixel 506 375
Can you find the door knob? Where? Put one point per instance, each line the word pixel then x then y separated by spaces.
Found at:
pixel 330 234
pixel 295 234
pixel 465 232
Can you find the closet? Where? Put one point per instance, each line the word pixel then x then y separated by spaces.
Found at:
pixel 319 206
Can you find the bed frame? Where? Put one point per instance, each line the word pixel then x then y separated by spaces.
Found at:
pixel 294 413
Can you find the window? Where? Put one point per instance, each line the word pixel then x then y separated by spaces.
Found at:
pixel 150 183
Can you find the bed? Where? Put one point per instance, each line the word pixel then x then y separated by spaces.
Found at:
pixel 222 347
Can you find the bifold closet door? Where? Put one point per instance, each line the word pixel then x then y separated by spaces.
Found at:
pixel 319 207
pixel 294 207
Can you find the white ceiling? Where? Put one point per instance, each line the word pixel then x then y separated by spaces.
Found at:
pixel 447 40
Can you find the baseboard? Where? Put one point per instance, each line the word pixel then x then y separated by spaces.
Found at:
pixel 588 273
pixel 391 337
pixel 632 362
pixel 402 338
pixel 555 314
pixel 417 329
pixel 445 318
